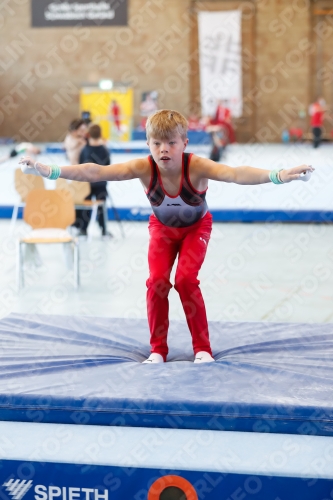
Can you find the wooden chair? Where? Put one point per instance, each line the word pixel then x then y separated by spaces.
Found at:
pixel 79 191
pixel 24 184
pixel 49 213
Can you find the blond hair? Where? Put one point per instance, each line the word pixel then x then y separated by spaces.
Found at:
pixel 166 123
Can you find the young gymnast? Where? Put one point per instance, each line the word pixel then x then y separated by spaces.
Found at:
pixel 175 183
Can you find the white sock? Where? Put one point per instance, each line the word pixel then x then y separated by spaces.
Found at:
pixel 154 358
pixel 203 357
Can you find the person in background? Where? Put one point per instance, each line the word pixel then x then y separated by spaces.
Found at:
pixel 115 113
pixel 94 152
pixel 194 122
pixel 148 106
pixel 223 118
pixel 25 148
pixel 219 141
pixel 316 111
pixel 75 140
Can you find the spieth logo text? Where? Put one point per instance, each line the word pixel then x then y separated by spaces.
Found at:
pixel 17 489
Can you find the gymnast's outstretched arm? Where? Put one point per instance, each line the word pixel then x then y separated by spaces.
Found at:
pixel 205 168
pixel 89 172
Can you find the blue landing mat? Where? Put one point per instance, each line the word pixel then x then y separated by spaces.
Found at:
pixel 268 377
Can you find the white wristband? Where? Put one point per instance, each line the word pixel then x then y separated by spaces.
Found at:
pixel 48 176
pixel 279 172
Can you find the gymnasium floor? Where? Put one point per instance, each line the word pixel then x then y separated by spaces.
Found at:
pixel 253 272
pixel 258 283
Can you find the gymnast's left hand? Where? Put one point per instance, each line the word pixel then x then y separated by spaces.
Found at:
pixel 302 172
pixel 30 166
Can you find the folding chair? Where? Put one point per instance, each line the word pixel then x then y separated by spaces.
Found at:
pixel 79 191
pixel 49 213
pixel 23 184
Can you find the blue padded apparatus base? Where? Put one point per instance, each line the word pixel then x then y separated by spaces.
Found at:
pixel 268 377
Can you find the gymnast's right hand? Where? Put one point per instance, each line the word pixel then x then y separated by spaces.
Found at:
pixel 30 166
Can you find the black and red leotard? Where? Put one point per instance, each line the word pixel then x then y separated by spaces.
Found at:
pixel 187 207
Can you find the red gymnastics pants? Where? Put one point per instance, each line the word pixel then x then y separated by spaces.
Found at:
pixel 190 243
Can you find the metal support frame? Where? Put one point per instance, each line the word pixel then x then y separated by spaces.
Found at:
pixel 76 264
pixel 19 266
pixel 20 263
pixel 14 216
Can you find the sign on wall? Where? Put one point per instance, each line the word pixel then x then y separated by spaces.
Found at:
pixel 111 109
pixel 220 60
pixel 50 13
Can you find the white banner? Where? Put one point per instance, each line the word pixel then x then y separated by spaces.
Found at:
pixel 220 58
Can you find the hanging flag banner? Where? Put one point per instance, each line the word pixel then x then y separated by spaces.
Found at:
pixel 47 13
pixel 220 58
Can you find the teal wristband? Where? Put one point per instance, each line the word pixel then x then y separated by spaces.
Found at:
pixel 274 176
pixel 55 172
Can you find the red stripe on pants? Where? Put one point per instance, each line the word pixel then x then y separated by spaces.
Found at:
pixel 190 243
